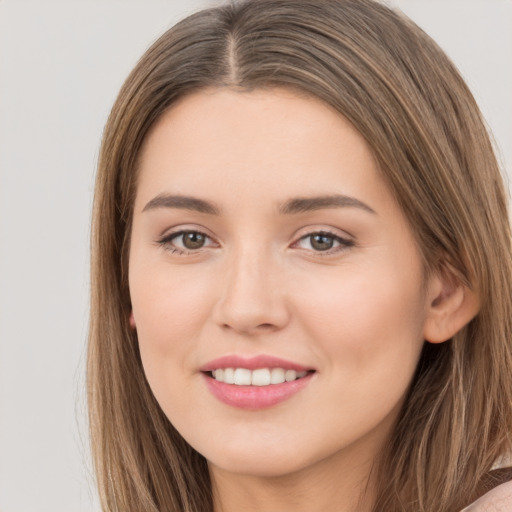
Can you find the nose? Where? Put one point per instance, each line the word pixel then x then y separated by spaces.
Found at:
pixel 251 297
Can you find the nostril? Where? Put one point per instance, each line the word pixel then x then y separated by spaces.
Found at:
pixel 248 329
pixel 266 326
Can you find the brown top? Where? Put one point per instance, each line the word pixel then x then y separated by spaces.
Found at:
pixel 498 493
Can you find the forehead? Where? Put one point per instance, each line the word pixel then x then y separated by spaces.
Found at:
pixel 265 144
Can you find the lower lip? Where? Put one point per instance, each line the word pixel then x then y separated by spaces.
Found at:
pixel 255 397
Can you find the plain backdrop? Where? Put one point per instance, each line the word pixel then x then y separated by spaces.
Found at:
pixel 61 65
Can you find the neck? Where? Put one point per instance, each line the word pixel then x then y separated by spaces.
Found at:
pixel 328 486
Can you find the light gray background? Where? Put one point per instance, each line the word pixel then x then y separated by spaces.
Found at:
pixel 61 65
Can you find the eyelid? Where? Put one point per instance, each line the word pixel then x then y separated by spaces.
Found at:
pixel 314 229
pixel 165 240
pixel 345 240
pixel 179 228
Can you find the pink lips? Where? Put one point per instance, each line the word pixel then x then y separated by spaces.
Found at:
pixel 252 363
pixel 254 397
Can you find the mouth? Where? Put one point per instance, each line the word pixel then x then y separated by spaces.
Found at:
pixel 259 377
pixel 255 383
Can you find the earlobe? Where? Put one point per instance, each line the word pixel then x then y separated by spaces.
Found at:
pixel 131 321
pixel 451 305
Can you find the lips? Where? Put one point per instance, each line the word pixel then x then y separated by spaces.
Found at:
pixel 253 363
pixel 255 383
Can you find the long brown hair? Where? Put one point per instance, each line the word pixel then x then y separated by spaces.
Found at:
pixel 400 91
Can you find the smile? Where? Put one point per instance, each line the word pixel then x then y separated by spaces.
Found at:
pixel 259 377
pixel 255 383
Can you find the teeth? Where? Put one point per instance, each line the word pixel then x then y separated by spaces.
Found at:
pixel 242 377
pixel 290 375
pixel 218 374
pixel 229 376
pixel 277 376
pixel 259 377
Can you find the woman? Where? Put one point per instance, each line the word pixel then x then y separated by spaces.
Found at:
pixel 301 271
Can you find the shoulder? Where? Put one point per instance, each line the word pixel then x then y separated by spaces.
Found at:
pixel 498 499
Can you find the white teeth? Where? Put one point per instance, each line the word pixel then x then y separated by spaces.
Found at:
pixel 229 376
pixel 242 377
pixel 290 375
pixel 218 374
pixel 259 377
pixel 277 376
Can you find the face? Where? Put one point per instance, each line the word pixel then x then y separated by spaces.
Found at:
pixel 277 290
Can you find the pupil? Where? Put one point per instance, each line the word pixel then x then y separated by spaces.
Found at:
pixel 193 240
pixel 322 242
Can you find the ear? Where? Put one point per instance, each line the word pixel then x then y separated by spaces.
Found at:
pixel 131 320
pixel 451 305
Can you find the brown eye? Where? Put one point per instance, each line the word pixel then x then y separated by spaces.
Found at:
pixel 321 242
pixel 193 240
pixel 186 242
pixel 324 242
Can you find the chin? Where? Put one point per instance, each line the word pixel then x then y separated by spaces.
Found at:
pixel 259 465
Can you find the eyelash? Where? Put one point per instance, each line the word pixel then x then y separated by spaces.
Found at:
pixel 344 243
pixel 167 241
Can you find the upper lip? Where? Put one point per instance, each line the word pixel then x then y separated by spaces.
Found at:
pixel 252 363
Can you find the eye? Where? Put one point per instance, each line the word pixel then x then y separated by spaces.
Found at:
pixel 192 239
pixel 185 241
pixel 323 242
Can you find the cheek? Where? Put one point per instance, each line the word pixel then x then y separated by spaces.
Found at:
pixel 166 301
pixel 370 321
pixel 368 330
pixel 170 309
pixel 169 316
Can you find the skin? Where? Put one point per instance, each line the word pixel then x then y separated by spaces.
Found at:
pixel 357 314
pixel 497 500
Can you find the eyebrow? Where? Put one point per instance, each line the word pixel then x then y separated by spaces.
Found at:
pixel 290 207
pixel 182 203
pixel 307 204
